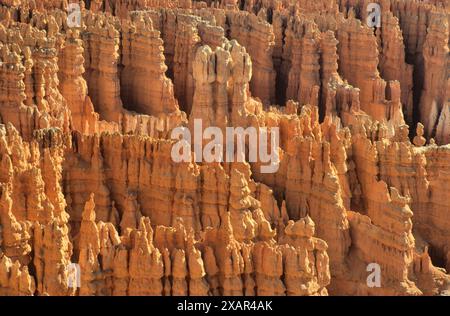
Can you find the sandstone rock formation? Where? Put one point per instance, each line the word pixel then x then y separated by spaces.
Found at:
pixel 93 203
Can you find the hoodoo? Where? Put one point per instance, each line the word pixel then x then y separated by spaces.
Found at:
pixel 336 181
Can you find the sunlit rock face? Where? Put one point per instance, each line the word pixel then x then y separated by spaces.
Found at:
pixel 92 201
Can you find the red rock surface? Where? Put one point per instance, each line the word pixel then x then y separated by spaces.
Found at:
pixel 87 177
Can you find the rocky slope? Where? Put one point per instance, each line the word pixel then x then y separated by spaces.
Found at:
pixel 87 178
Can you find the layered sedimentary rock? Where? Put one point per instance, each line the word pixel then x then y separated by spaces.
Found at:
pixel 257 36
pixel 93 202
pixel 144 86
pixel 434 100
pixel 73 86
pixel 29 64
pixel 393 63
pixel 424 27
pixel 101 45
pixel 358 63
pixel 301 62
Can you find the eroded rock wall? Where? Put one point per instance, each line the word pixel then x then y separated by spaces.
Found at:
pixel 88 179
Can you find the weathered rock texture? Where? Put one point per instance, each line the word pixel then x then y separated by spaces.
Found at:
pixel 93 203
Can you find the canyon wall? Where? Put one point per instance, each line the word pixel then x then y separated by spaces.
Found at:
pixel 88 178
